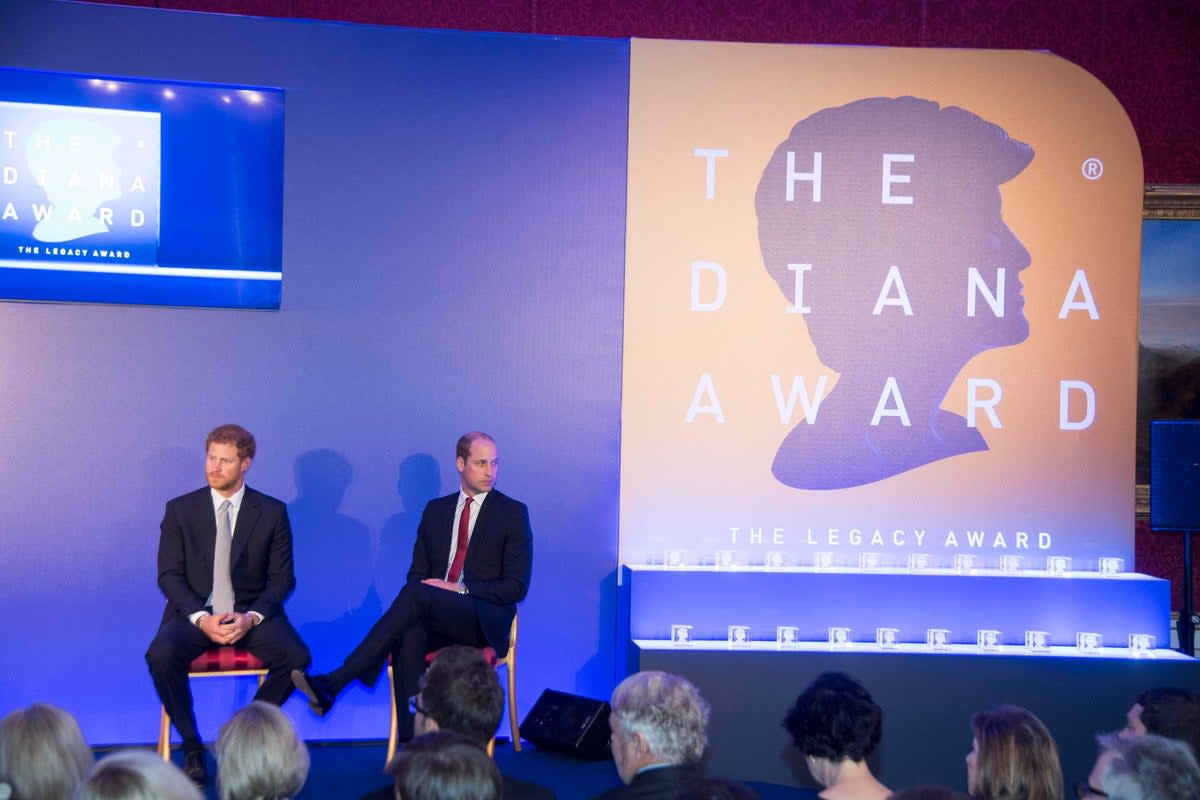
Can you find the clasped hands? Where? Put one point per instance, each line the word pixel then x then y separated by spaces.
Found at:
pixel 441 584
pixel 226 629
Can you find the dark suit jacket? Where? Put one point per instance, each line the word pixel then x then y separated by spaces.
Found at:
pixel 260 563
pixel 499 558
pixel 514 789
pixel 663 783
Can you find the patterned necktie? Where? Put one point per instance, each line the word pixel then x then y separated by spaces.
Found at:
pixel 460 552
pixel 222 594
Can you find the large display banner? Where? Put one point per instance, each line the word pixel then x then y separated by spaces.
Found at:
pixel 880 303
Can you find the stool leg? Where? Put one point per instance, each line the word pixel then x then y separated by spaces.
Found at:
pixel 164 735
pixel 394 732
pixel 513 725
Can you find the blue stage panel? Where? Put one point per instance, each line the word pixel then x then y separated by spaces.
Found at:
pixel 812 600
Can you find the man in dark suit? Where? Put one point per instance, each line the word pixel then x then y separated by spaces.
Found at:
pixel 470 567
pixel 461 694
pixel 225 566
pixel 659 727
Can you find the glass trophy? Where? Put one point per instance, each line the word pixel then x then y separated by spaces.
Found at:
pixel 839 638
pixel 987 640
pixel 673 558
pixel 965 563
pixel 919 561
pixel 870 560
pixel 724 559
pixel 1037 642
pixel 1111 566
pixel 1058 565
pixel 1089 642
pixel 739 635
pixel 681 635
pixel 776 559
pixel 787 636
pixel 822 560
pixel 1141 645
pixel 887 638
pixel 937 638
pixel 1011 564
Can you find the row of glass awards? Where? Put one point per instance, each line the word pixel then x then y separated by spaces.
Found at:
pixel 965 563
pixel 987 640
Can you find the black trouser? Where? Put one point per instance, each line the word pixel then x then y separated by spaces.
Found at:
pixel 421 619
pixel 178 642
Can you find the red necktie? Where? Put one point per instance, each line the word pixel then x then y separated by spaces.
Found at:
pixel 460 551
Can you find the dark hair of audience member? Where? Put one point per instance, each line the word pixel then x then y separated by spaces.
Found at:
pixel 1016 757
pixel 1173 713
pixel 42 754
pixel 445 766
pixel 259 756
pixel 461 693
pixel 835 718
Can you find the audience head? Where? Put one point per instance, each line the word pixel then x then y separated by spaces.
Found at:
pixel 835 719
pixel 137 775
pixel 1145 767
pixel 657 718
pixel 42 754
pixel 259 756
pixel 1169 712
pixel 461 693
pixel 1013 757
pixel 445 766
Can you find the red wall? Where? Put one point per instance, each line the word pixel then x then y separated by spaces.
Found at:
pixel 1145 51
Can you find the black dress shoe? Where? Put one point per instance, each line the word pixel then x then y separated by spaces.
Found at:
pixel 195 768
pixel 317 688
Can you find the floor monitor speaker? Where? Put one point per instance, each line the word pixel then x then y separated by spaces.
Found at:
pixel 567 723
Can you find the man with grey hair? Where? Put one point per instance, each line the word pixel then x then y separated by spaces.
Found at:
pixel 1145 767
pixel 659 727
pixel 137 775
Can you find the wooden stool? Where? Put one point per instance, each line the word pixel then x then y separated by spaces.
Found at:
pixel 219 662
pixel 509 661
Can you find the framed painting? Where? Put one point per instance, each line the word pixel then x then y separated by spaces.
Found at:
pixel 1169 319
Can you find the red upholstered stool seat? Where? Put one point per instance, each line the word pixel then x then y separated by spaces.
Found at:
pixel 218 662
pixel 489 655
pixel 226 659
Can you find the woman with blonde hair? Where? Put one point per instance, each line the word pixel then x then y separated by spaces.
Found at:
pixel 1013 757
pixel 42 754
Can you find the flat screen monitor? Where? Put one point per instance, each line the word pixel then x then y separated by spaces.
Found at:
pixel 136 191
pixel 1175 475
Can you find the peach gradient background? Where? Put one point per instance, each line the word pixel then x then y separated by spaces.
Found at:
pixel 684 485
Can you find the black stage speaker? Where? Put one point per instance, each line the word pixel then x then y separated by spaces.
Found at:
pixel 1175 475
pixel 567 723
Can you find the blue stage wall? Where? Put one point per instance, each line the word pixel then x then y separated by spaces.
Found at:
pixel 453 259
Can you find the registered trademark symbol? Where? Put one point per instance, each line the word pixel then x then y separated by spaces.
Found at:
pixel 1092 168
